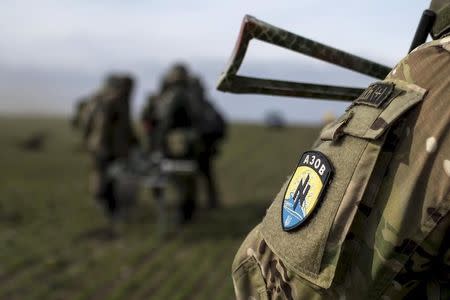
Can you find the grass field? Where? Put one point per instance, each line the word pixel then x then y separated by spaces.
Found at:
pixel 52 246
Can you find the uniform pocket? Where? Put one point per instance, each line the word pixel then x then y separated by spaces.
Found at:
pixel 248 281
pixel 352 144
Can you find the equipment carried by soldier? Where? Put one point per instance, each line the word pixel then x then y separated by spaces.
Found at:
pixel 254 28
pixel 430 23
pixel 423 29
pixel 154 172
pixel 149 170
pixel 211 124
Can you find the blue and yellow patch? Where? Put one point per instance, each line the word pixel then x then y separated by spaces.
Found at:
pixel 305 189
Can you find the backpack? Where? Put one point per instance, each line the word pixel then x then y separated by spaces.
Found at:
pixel 210 123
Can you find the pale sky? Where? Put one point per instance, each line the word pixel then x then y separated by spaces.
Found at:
pixel 52 52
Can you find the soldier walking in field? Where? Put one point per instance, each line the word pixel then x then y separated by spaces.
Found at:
pixel 176 137
pixel 110 137
pixel 180 123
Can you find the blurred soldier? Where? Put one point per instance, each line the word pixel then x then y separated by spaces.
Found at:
pixel 110 135
pixel 175 135
pixel 182 118
pixel 365 214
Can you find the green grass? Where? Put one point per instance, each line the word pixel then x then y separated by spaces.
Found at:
pixel 52 235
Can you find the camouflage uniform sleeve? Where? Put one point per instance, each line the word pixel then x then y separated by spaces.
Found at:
pixel 427 270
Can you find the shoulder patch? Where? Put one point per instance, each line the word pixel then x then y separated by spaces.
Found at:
pixel 305 189
pixel 376 94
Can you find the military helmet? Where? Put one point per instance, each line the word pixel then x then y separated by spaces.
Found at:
pixel 177 73
pixel 127 82
pixel 119 80
pixel 112 80
pixel 442 24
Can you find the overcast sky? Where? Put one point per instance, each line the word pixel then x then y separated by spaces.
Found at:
pixel 53 51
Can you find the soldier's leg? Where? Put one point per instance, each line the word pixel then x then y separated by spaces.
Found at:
pixel 111 204
pixel 103 187
pixel 97 181
pixel 188 194
pixel 206 170
pixel 161 209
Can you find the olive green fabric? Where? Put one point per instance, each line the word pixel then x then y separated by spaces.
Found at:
pixel 354 156
pixel 383 227
pixel 174 112
pixel 108 129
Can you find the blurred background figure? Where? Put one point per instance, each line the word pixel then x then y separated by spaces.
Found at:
pixel 275 120
pixel 110 137
pixel 34 142
pixel 181 124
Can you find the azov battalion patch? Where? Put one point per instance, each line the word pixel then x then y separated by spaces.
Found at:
pixel 305 189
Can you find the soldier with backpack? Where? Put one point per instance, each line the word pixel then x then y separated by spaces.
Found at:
pixel 182 125
pixel 109 137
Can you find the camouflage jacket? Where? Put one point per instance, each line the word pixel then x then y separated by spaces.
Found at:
pixel 175 122
pixel 382 229
pixel 110 132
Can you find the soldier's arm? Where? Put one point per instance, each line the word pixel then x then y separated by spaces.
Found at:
pixel 424 151
pixel 91 112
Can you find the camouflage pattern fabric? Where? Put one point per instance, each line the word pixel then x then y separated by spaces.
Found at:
pixel 110 132
pixel 175 116
pixel 254 28
pixel 175 136
pixel 109 137
pixel 382 230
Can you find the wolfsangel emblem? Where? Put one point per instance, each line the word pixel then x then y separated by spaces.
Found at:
pixel 305 189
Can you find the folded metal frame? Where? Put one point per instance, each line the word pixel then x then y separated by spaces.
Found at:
pixel 253 28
